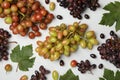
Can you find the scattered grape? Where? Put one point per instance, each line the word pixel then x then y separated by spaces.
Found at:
pixel 73 63
pixel 8 67
pixel 24 77
pixel 52 6
pixel 55 75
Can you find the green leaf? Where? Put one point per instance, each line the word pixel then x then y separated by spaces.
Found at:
pixel 101 79
pixel 25 64
pixel 113 16
pixel 16 56
pixel 27 51
pixel 106 19
pixel 117 75
pixel 69 75
pixel 23 57
pixel 108 74
pixel 118 25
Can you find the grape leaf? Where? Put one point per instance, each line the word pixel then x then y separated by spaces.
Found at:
pixel 23 57
pixel 69 75
pixel 110 75
pixel 117 75
pixel 113 16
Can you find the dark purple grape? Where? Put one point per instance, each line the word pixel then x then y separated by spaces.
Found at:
pixel 102 36
pixel 40 74
pixel 93 55
pixel 4 38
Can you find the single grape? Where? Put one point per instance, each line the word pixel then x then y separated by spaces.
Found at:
pixel 8 67
pixel 73 63
pixel 55 75
pixel 24 77
pixel 8 20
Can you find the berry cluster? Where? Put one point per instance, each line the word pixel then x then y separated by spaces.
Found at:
pixel 77 7
pixel 85 66
pixel 4 41
pixel 40 75
pixel 25 16
pixel 110 50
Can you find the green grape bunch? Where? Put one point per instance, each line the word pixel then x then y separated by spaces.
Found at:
pixel 66 39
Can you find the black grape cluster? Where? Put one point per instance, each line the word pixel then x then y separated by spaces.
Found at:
pixel 110 49
pixel 4 41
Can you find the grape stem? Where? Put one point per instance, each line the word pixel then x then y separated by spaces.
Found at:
pixel 23 15
pixel 17 68
pixel 13 42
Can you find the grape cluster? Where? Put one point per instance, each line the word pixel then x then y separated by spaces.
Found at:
pixel 4 41
pixel 85 66
pixel 26 17
pixel 110 50
pixel 65 39
pixel 40 75
pixel 77 7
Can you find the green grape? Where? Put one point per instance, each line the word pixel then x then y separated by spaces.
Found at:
pixel 84 26
pixel 66 53
pixel 52 57
pixel 65 32
pixel 83 43
pixel 38 49
pixel 8 20
pixel 60 35
pixel 53 33
pixel 53 39
pixel 40 43
pixel 49 46
pixel 63 26
pixel 52 6
pixel 93 41
pixel 7 11
pixel 61 51
pixel 89 45
pixel 66 50
pixel 52 50
pixel 72 41
pixel 66 41
pixel 56 55
pixel 52 29
pixel 90 34
pixel 47 55
pixel 1 10
pixel 59 46
pixel 44 50
pixel 76 37
pixel 55 75
pixel 73 48
pixel 76 24
pixel 71 28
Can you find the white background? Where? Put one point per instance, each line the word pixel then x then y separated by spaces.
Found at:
pixel 81 54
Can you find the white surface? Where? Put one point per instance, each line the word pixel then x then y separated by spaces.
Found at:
pixel 81 54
